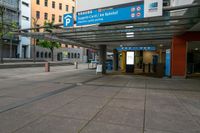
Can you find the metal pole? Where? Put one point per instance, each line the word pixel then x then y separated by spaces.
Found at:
pixel 11 46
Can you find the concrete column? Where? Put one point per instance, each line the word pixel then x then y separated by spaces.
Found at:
pixel 102 58
pixel 115 60
pixel 19 50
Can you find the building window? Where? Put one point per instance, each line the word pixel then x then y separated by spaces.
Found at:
pixel 72 55
pixel 24 3
pixel 49 55
pixel 53 4
pixel 60 6
pixel 38 30
pixel 41 54
pixel 69 55
pixel 53 17
pixel 25 18
pixel 73 9
pixel 60 18
pixel 46 3
pixel 75 55
pixel 67 8
pixel 37 14
pixel 37 2
pixel 45 55
pixel 78 55
pixel 37 54
pixel 45 16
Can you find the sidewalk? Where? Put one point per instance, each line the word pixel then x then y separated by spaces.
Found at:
pixel 82 102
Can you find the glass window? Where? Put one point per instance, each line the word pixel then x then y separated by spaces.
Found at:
pixel 53 4
pixel 37 14
pixel 73 9
pixel 46 3
pixel 25 18
pixel 60 18
pixel 38 30
pixel 45 16
pixel 45 55
pixel 49 55
pixel 68 55
pixel 60 6
pixel 37 2
pixel 53 17
pixel 37 54
pixel 67 8
pixel 41 54
pixel 24 3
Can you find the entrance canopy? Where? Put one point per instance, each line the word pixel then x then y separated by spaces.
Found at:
pixel 141 32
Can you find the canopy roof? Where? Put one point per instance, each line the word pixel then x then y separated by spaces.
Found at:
pixel 141 32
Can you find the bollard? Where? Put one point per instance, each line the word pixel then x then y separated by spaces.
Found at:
pixel 47 67
pixel 149 67
pixel 143 68
pixel 76 65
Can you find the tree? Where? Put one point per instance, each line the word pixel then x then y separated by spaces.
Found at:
pixel 49 44
pixel 10 33
pixel 35 20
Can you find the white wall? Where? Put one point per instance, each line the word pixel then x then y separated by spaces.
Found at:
pixel 82 5
pixel 181 2
pixel 24 23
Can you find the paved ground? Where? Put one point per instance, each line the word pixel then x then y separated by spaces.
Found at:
pixel 78 101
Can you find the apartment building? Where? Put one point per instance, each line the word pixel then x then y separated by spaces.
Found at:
pixel 53 11
pixel 10 15
pixel 24 22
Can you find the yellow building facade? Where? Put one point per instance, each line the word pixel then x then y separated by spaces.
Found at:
pixel 51 10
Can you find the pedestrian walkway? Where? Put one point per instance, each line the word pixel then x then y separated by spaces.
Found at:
pixel 79 101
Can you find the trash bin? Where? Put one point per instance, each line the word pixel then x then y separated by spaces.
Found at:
pixel 160 70
pixel 109 64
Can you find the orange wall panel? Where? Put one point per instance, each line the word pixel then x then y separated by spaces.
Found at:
pixel 179 52
pixel 179 57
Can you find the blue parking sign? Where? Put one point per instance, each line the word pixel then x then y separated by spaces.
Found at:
pixel 68 20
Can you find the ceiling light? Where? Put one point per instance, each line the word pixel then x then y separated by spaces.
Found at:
pixel 129 27
pixel 128 36
pixel 130 33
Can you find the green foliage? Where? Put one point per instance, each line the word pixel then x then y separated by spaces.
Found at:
pixel 46 43
pixel 49 44
pixel 12 28
pixel 48 26
pixel 8 29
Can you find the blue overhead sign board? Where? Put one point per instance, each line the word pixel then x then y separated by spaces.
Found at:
pixel 136 48
pixel 110 14
pixel 104 11
pixel 68 20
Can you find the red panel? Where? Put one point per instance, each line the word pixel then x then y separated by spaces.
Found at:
pixel 178 57
pixel 192 36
